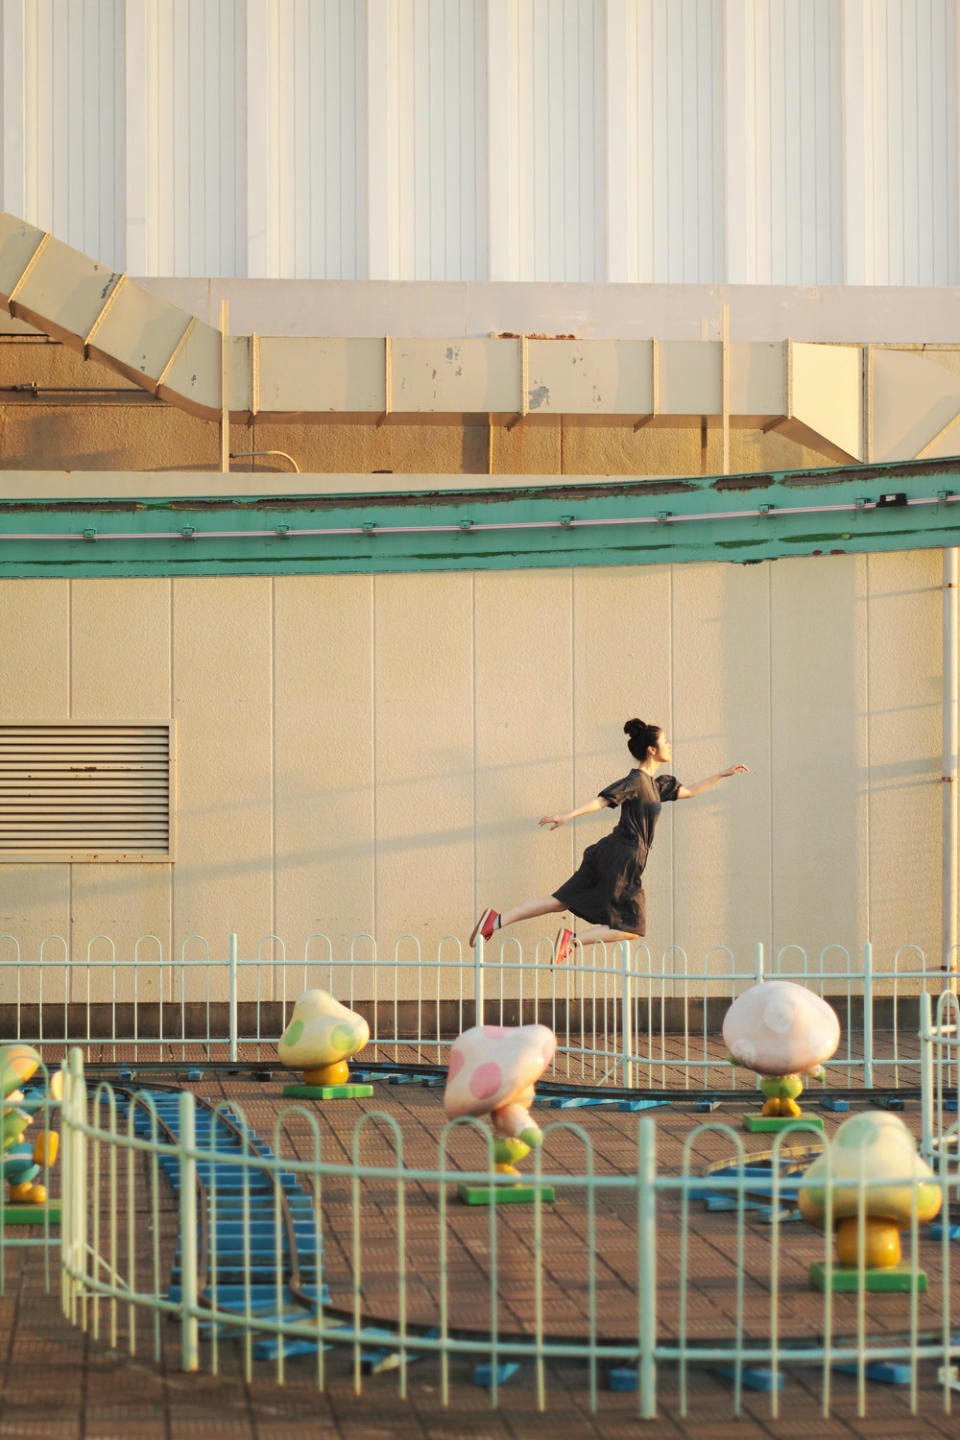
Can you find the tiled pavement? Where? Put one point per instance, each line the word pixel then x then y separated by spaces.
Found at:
pixel 55 1381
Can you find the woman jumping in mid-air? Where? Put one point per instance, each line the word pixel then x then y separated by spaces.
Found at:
pixel 606 890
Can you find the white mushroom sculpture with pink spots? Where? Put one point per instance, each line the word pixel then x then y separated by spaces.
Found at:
pixel 785 1033
pixel 492 1071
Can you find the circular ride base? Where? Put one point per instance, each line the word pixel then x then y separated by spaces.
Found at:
pixel 490 1279
pixel 702 1250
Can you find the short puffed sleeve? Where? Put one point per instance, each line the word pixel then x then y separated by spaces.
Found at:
pixel 668 785
pixel 622 790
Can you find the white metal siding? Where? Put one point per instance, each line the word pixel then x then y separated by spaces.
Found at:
pixel 61 111
pixel 84 791
pixel 799 142
pixel 314 46
pixel 797 138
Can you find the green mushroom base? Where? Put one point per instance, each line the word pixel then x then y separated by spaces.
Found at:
pixel 754 1122
pixel 328 1092
pixel 43 1214
pixel 847 1277
pixel 504 1194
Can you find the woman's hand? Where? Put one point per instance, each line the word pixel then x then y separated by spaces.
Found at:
pixel 736 770
pixel 554 821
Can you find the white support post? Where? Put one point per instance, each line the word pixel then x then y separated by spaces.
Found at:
pixel 725 386
pixel 234 1038
pixel 224 387
pixel 951 743
pixel 68 1217
pixel 626 1016
pixel 478 981
pixel 190 1334
pixel 868 1016
pixel 926 1077
pixel 78 1189
pixel 647 1265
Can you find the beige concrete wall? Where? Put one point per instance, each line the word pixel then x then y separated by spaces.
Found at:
pixel 373 753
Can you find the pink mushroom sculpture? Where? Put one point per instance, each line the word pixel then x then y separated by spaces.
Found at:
pixel 785 1033
pixel 492 1071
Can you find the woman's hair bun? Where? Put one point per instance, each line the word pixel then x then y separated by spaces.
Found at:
pixel 641 736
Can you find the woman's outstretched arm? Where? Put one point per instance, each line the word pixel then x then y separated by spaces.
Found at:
pixel 555 821
pixel 687 792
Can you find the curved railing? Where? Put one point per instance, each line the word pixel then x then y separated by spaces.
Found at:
pixel 622 1015
pixel 609 1278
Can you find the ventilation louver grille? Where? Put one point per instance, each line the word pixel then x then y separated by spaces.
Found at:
pixel 85 791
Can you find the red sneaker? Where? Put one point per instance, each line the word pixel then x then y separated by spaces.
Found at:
pixel 485 926
pixel 562 946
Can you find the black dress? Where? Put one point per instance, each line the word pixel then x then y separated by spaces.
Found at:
pixel 607 888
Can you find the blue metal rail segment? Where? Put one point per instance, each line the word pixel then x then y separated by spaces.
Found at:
pixel 740 518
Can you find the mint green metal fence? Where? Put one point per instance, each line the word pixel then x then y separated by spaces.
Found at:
pixel 621 1014
pixel 609 1279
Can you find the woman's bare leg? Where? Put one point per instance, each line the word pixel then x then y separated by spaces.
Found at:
pixel 530 909
pixel 604 932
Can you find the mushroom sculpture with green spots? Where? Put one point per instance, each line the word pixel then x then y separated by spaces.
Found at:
pixel 320 1039
pixel 785 1033
pixel 492 1071
pixel 23 1158
pixel 877 1180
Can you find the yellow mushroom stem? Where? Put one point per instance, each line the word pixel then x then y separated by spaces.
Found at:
pixel 46 1147
pixel 28 1194
pixel 881 1236
pixel 336 1074
pixel 882 1242
pixel 781 1106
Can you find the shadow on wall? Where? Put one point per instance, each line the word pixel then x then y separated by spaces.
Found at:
pixel 819 763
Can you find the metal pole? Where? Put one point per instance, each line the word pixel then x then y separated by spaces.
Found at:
pixel 234 1048
pixel 190 1352
pixel 69 1218
pixel 647 1255
pixel 78 1188
pixel 926 1078
pixel 725 387
pixel 626 1015
pixel 868 1016
pixel 224 388
pixel 951 737
pixel 478 981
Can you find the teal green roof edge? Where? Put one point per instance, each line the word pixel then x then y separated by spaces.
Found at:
pixel 623 521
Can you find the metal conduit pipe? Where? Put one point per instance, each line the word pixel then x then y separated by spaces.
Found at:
pixel 951 744
pixel 564 522
pixel 248 454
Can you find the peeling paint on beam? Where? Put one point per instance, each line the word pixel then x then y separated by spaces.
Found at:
pixel 733 518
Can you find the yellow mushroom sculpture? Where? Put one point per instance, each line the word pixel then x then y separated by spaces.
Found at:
pixel 23 1158
pixel 321 1037
pixel 871 1166
pixel 784 1033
